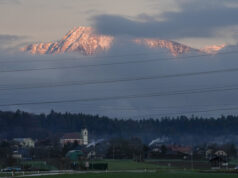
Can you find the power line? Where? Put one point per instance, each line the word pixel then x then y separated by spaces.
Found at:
pixel 153 108
pixel 111 56
pixel 82 57
pixel 93 82
pixel 110 64
pixel 148 95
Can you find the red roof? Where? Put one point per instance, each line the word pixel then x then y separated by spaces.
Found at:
pixel 181 149
pixel 75 135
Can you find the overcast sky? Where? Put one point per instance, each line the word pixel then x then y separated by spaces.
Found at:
pixel 197 23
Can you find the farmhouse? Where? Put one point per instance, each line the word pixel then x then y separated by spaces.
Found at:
pixel 25 142
pixel 181 149
pixel 218 162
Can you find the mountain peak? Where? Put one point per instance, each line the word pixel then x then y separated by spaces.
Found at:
pixel 213 49
pixel 174 47
pixel 84 40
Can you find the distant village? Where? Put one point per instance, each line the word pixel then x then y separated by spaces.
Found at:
pixel 80 152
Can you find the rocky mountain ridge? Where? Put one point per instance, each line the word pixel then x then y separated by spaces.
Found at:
pixel 85 41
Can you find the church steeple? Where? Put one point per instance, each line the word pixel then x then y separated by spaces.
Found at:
pixel 84 133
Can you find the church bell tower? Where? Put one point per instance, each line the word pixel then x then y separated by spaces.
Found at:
pixel 84 133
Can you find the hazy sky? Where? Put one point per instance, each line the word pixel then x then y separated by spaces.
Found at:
pixel 47 20
pixel 51 19
pixel 197 23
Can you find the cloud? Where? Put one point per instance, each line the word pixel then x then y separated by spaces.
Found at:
pixel 11 42
pixel 122 50
pixel 9 1
pixel 195 18
pixel 9 38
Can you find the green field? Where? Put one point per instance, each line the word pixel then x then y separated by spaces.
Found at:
pixel 129 165
pixel 162 174
pixel 155 164
pixel 41 165
pixel 177 169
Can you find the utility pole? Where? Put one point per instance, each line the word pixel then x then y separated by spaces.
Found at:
pixel 192 160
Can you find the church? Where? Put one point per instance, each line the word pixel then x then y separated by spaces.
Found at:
pixel 79 137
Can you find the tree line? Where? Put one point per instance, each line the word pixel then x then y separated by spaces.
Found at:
pixel 40 126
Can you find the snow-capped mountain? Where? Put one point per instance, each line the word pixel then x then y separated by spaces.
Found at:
pixel 85 41
pixel 174 47
pixel 213 49
pixel 81 39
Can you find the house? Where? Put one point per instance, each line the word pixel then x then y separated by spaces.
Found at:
pixel 218 162
pixel 22 154
pixel 220 153
pixel 219 159
pixel 16 155
pixel 80 138
pixel 74 155
pixel 25 142
pixel 156 150
pixel 209 154
pixel 181 149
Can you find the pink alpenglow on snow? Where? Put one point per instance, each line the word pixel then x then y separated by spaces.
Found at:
pixel 85 41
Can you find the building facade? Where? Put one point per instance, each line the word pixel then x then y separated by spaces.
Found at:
pixel 25 142
pixel 80 138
